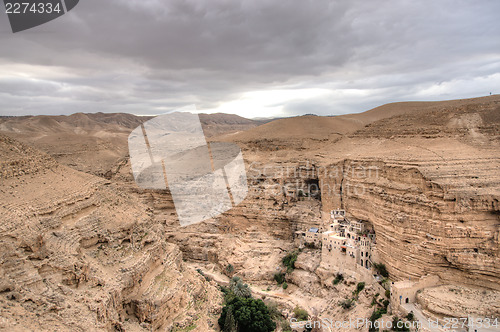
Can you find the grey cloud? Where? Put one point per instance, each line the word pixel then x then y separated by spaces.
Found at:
pixel 144 56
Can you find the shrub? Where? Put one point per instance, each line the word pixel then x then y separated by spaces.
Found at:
pixel 250 315
pixel 359 288
pixel 410 316
pixel 207 278
pixel 285 326
pixel 346 304
pixel 377 313
pixel 289 261
pixel 300 313
pixel 338 278
pixel 388 293
pixel 381 269
pixel 279 277
pixel 274 312
pixel 385 303
pixel 395 321
pixel 285 285
pixel 229 269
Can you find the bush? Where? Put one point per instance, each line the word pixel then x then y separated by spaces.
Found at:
pixel 388 293
pixel 274 312
pixel 228 294
pixel 376 314
pixel 249 315
pixel 300 313
pixel 285 326
pixel 285 285
pixel 207 278
pixel 359 288
pixel 381 269
pixel 410 316
pixel 289 261
pixel 310 245
pixel 229 269
pixel 338 278
pixel 385 303
pixel 401 327
pixel 279 277
pixel 346 304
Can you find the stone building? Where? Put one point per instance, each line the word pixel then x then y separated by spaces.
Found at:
pixel 348 242
pixel 313 236
pixel 405 291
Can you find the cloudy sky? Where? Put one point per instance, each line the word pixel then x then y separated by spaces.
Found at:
pixel 250 57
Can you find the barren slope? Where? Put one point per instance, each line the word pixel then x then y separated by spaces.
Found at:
pixel 79 254
pixel 96 142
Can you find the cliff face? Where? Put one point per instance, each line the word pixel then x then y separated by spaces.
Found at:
pixel 77 253
pixel 253 236
pixel 426 222
pixel 429 181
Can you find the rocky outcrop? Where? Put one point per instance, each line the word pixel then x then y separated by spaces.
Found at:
pixel 459 301
pixel 77 253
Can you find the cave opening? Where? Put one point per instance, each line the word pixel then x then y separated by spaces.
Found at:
pixel 313 188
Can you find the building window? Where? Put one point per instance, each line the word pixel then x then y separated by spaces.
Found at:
pixel 361 262
pixel 361 254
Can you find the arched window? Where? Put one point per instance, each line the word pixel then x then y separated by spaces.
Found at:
pixel 361 262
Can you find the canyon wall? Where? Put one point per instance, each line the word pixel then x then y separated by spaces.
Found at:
pixel 425 222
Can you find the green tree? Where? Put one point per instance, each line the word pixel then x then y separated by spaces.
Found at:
pixel 239 288
pixel 229 322
pixel 289 261
pixel 242 290
pixel 251 315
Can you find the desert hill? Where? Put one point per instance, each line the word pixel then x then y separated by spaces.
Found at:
pixel 321 127
pixel 77 253
pixel 96 142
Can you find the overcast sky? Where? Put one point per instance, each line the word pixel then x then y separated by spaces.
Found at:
pixel 253 58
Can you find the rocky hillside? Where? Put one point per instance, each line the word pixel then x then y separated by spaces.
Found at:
pixel 77 253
